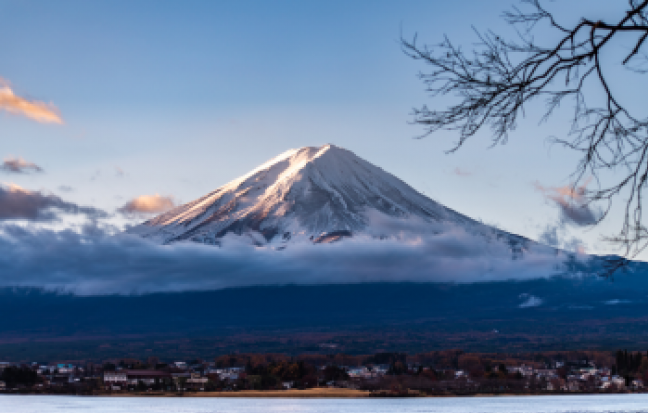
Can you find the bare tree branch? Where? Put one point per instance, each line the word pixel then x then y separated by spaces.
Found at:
pixel 500 77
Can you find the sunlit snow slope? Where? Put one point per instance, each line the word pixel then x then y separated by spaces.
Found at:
pixel 303 195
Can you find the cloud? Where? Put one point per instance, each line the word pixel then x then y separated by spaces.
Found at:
pixel 93 262
pixel 65 188
pixel 460 172
pixel 19 165
pixel 19 203
pixel 531 301
pixel 572 203
pixel 551 236
pixel 148 204
pixel 119 172
pixel 576 245
pixel 556 236
pixel 38 111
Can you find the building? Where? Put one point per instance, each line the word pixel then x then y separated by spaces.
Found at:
pixel 195 381
pixel 115 377
pixel 133 377
pixel 618 381
pixel 148 377
pixel 64 368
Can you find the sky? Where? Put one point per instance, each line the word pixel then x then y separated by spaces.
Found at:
pixel 136 106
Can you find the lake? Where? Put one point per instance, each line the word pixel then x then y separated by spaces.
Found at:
pixel 533 404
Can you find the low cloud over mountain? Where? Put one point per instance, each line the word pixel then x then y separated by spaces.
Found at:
pixel 93 262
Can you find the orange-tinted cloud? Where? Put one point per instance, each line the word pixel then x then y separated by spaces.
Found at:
pixel 148 204
pixel 19 165
pixel 39 111
pixel 572 203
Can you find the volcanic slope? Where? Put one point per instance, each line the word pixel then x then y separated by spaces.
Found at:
pixel 309 194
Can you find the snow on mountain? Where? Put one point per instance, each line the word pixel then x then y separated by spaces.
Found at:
pixel 303 195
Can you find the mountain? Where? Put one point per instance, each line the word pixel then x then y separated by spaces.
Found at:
pixel 309 194
pixel 546 300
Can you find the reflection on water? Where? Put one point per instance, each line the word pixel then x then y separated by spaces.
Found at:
pixel 634 403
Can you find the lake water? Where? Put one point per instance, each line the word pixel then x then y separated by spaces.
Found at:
pixel 542 404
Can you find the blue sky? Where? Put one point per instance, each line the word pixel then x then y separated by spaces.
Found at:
pixel 178 98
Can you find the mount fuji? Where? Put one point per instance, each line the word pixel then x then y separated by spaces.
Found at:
pixel 367 262
pixel 309 195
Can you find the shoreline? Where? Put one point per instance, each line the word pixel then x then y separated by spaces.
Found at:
pixel 313 393
pixel 317 393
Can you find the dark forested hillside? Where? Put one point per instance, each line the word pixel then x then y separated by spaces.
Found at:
pixel 358 318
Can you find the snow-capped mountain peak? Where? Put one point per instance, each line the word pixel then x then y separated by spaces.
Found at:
pixel 314 194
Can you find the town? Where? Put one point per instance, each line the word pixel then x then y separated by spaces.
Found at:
pixel 438 373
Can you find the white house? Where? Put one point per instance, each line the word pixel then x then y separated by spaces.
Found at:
pixel 618 381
